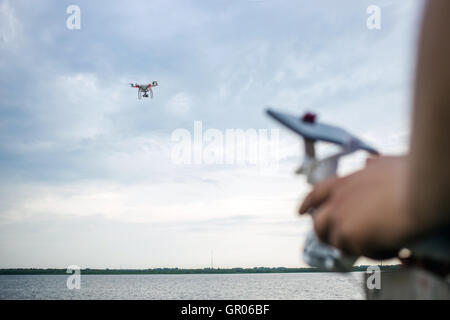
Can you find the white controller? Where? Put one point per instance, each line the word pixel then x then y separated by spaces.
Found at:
pixel 316 253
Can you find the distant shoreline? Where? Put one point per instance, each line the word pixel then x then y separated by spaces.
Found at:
pixel 87 271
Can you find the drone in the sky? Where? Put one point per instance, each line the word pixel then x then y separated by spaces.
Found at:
pixel 144 88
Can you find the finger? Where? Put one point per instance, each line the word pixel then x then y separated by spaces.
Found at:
pixel 318 195
pixel 371 160
pixel 374 159
pixel 322 222
pixel 341 238
pixel 381 159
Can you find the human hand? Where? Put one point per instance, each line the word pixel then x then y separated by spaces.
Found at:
pixel 364 213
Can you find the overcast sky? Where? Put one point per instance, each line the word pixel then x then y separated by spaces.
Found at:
pixel 86 174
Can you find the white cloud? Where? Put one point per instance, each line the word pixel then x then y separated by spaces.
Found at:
pixel 9 25
pixel 180 104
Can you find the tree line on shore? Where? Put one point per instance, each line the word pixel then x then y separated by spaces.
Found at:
pixel 51 271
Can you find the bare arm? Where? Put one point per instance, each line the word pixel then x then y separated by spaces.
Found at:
pixel 429 174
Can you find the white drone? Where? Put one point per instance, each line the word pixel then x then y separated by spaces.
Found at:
pixel 144 88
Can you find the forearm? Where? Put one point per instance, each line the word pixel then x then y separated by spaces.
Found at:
pixel 429 178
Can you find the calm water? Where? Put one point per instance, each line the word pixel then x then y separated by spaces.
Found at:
pixel 202 286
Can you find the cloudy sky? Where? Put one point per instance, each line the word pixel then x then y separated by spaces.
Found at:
pixel 87 174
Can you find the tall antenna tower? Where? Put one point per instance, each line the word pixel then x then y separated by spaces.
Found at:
pixel 212 260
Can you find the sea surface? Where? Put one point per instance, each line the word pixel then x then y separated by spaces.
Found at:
pixel 197 286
